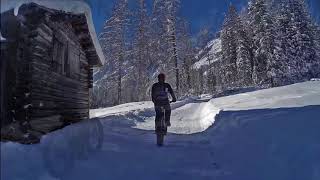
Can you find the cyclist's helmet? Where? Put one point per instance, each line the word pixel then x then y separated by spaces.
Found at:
pixel 161 76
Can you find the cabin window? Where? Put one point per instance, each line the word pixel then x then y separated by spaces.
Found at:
pixel 58 55
pixel 74 62
pixel 66 62
pixel 66 59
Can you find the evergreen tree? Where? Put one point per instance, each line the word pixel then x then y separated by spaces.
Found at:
pixel 113 40
pixel 211 78
pixel 316 65
pixel 261 24
pixel 295 52
pixel 158 42
pixel 303 41
pixel 201 81
pixel 159 45
pixel 187 55
pixel 172 7
pixel 164 52
pixel 284 61
pixel 142 52
pixel 244 56
pixel 229 49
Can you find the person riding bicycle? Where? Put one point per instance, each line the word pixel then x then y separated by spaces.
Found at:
pixel 160 98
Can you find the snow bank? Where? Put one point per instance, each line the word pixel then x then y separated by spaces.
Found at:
pixel 190 118
pixel 70 6
pixel 121 109
pixel 296 95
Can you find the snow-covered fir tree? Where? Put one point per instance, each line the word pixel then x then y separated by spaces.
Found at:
pixel 229 49
pixel 172 7
pixel 113 40
pixel 187 59
pixel 296 47
pixel 159 45
pixel 141 52
pixel 244 55
pixel 304 41
pixel 164 53
pixel 284 61
pixel 200 89
pixel 262 27
pixel 211 78
pixel 237 54
pixel 317 44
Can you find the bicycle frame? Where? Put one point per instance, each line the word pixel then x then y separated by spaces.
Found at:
pixel 161 130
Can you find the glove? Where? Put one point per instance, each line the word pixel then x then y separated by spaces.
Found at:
pixel 174 100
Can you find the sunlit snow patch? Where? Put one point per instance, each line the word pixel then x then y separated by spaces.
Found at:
pixel 188 119
pixel 121 109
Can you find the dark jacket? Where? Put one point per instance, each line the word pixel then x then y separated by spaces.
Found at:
pixel 160 94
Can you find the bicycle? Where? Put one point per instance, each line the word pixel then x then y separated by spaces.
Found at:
pixel 161 126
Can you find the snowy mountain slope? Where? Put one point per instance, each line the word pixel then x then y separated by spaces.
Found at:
pixel 212 50
pixel 262 135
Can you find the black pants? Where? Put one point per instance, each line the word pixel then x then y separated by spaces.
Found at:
pixel 159 113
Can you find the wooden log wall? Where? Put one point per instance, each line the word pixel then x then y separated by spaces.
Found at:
pixel 23 76
pixel 54 93
pixel 3 82
pixel 13 57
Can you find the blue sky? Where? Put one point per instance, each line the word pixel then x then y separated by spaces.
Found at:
pixel 198 12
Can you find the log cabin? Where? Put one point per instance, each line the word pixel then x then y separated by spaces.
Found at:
pixel 47 61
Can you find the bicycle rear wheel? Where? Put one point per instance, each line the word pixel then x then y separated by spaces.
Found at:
pixel 160 138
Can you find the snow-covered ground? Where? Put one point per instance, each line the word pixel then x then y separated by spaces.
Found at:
pixel 270 134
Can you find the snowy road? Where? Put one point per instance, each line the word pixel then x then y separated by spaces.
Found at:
pixel 264 135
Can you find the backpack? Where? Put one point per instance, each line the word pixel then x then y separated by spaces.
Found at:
pixel 162 93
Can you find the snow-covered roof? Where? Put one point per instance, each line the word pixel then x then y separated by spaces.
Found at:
pixel 78 7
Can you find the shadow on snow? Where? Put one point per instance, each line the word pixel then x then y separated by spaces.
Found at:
pixel 277 144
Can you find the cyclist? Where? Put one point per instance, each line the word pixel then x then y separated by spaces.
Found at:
pixel 160 98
